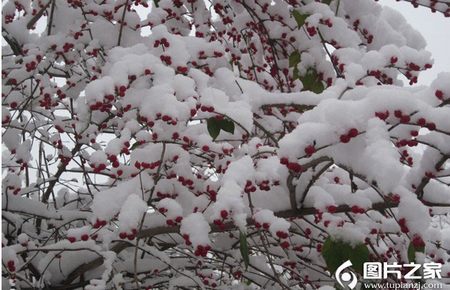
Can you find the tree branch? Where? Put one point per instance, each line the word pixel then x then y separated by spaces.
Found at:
pixel 151 232
pixel 38 15
pixel 426 179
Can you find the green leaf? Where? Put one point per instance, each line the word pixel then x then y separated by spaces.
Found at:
pixel 296 75
pixel 411 253
pixel 227 126
pixel 213 126
pixel 326 2
pixel 299 18
pixel 412 250
pixel 333 257
pixel 294 59
pixel 317 87
pixel 358 256
pixel 337 252
pixel 134 146
pixel 309 78
pixel 156 3
pixel 243 246
pixel 311 81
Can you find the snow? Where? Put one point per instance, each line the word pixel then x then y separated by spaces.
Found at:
pixel 419 219
pixel 116 197
pixel 240 171
pixel 381 151
pixel 196 226
pixel 131 212
pixel 186 280
pixel 172 208
pixel 319 198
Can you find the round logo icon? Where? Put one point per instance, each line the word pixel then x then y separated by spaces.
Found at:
pixel 345 278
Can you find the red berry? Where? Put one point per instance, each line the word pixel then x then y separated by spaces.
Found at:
pixel 311 30
pixel 310 150
pixel 418 242
pixel 205 148
pixel 166 118
pixel 281 234
pixel 403 227
pixel 331 208
pixel 344 138
pixel 381 115
pixel 356 209
pixel 224 214
pixel 429 174
pixel 421 122
pixel 431 126
pixel 123 235
pixel 439 94
pixel 308 231
pixel 319 248
pixel 182 69
pixel 405 119
pixel 295 167
pixel 71 239
pixel 284 161
pixel 353 132
pixel 11 266
pixel 285 244
pixel 414 66
pixel 412 143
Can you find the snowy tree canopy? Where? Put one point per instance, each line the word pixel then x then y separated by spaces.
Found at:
pixel 223 144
